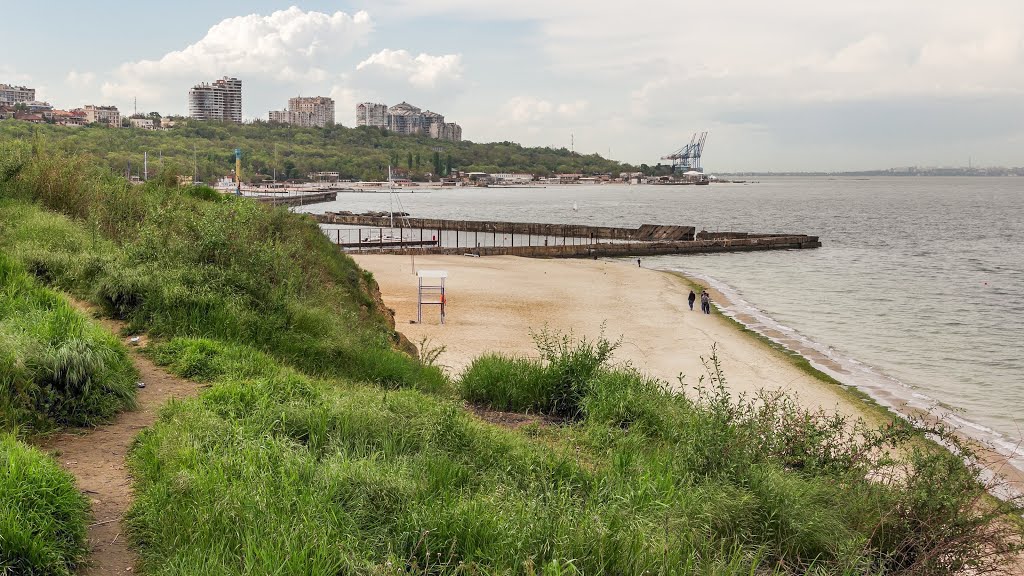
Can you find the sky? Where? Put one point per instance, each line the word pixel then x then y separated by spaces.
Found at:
pixel 779 86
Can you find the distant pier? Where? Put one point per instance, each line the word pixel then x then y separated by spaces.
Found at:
pixel 403 235
pixel 296 199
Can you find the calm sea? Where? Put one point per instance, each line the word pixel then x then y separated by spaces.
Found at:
pixel 917 294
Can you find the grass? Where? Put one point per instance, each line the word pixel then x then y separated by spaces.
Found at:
pixel 179 262
pixel 319 449
pixel 57 368
pixel 42 514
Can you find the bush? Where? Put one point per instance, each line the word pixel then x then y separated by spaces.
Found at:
pixel 177 263
pixel 42 515
pixel 56 368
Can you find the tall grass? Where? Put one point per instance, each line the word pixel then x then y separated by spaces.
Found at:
pixel 56 368
pixel 42 514
pixel 318 449
pixel 180 263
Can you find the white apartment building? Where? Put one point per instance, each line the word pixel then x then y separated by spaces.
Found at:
pixel 15 94
pixel 103 114
pixel 219 101
pixel 143 123
pixel 371 114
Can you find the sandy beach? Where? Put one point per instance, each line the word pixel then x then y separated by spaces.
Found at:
pixel 493 303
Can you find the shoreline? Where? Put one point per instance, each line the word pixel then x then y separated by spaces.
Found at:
pixel 494 303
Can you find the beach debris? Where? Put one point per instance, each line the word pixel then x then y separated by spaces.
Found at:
pixel 140 384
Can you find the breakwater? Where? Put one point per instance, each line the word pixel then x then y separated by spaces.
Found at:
pixel 300 199
pixel 403 235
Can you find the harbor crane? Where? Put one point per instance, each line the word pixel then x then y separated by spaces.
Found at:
pixel 687 158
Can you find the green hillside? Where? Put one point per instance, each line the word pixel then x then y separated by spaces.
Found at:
pixel 357 153
pixel 319 447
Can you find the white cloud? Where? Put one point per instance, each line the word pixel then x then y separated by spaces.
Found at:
pixel 529 110
pixel 345 101
pixel 80 80
pixel 573 109
pixel 423 71
pixel 291 46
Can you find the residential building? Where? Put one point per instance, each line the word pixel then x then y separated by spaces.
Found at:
pixel 404 118
pixel 370 114
pixel 220 101
pixel 309 112
pixel 15 94
pixel 143 123
pixel 37 107
pixel 317 110
pixel 103 114
pixel 449 131
pixel 68 117
pixel 432 122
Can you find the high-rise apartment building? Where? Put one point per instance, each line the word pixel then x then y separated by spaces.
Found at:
pixel 15 94
pixel 317 111
pixel 404 118
pixel 220 101
pixel 370 114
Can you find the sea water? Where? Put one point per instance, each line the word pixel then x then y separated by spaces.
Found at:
pixel 916 295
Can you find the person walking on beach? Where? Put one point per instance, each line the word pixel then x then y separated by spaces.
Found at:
pixel 690 299
pixel 637 262
pixel 705 302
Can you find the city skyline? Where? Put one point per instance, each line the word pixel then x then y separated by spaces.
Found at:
pixel 791 86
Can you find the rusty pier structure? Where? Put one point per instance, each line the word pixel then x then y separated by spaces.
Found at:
pixel 404 235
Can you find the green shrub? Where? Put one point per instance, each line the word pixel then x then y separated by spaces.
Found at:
pixel 56 367
pixel 42 515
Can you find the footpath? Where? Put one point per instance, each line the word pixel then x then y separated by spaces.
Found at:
pixel 96 456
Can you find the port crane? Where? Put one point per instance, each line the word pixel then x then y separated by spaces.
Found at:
pixel 687 158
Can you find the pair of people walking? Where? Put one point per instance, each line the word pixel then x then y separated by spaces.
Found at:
pixel 705 301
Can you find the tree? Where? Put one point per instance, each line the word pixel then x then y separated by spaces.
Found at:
pixel 409 161
pixel 448 165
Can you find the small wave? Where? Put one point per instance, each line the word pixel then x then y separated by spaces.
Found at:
pixel 887 391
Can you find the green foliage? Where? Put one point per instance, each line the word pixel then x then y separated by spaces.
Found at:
pixel 825 489
pixel 184 262
pixel 358 153
pixel 556 387
pixel 56 368
pixel 42 514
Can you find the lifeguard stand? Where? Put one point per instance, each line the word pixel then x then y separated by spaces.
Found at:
pixel 431 292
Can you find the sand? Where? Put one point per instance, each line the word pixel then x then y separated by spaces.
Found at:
pixel 493 303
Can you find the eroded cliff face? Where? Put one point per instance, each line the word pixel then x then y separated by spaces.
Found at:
pixel 399 340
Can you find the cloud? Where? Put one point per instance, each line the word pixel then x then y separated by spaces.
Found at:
pixel 529 110
pixel 80 80
pixel 423 71
pixel 292 46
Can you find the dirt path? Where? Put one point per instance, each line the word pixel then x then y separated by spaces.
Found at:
pixel 96 456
